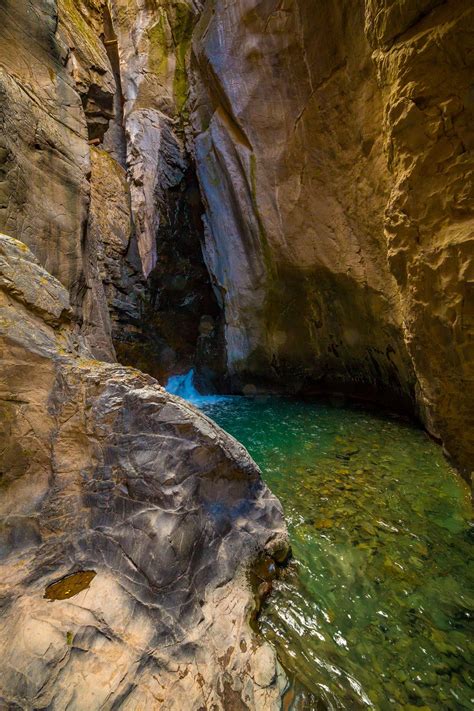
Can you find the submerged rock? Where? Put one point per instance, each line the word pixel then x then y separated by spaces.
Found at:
pixel 152 511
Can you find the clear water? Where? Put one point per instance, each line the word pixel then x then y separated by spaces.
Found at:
pixel 376 609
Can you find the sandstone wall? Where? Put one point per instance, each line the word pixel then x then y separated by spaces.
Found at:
pixel 93 161
pixel 290 156
pixel 58 91
pixel 44 151
pixel 334 148
pixel 424 59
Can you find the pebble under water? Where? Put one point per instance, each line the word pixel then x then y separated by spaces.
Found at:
pixel 376 608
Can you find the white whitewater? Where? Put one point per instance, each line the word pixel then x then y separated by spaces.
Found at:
pixel 183 385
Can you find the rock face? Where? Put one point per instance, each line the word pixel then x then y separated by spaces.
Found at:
pixel 291 154
pixel 332 145
pixel 334 150
pixel 44 156
pixel 112 481
pixel 329 145
pixel 424 61
pixel 153 41
pixel 88 72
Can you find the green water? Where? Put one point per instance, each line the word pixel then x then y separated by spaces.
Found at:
pixel 376 609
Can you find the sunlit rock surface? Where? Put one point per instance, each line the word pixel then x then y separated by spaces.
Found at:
pixel 423 56
pixel 334 149
pixel 104 472
pixel 44 156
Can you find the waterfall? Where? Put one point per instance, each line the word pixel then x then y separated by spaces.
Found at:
pixel 183 385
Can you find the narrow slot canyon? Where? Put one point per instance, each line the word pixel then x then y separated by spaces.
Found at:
pixel 236 348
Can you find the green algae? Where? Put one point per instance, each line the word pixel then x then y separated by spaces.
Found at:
pixel 71 13
pixel 183 24
pixel 171 35
pixel 159 47
pixel 376 609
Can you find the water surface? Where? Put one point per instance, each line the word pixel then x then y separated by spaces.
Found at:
pixel 376 609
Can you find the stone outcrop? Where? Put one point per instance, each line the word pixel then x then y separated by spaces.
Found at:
pixel 334 150
pixel 57 93
pixel 152 511
pixel 81 27
pixel 152 78
pixel 179 322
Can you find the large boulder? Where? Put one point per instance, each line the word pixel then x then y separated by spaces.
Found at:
pixel 128 523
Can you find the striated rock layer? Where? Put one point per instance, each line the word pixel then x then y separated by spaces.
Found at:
pixel 92 161
pixel 153 511
pixel 333 142
pixel 178 324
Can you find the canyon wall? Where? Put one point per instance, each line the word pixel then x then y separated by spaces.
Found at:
pixel 424 60
pixel 334 149
pixel 320 156
pixel 94 166
pixel 129 522
pixel 285 184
